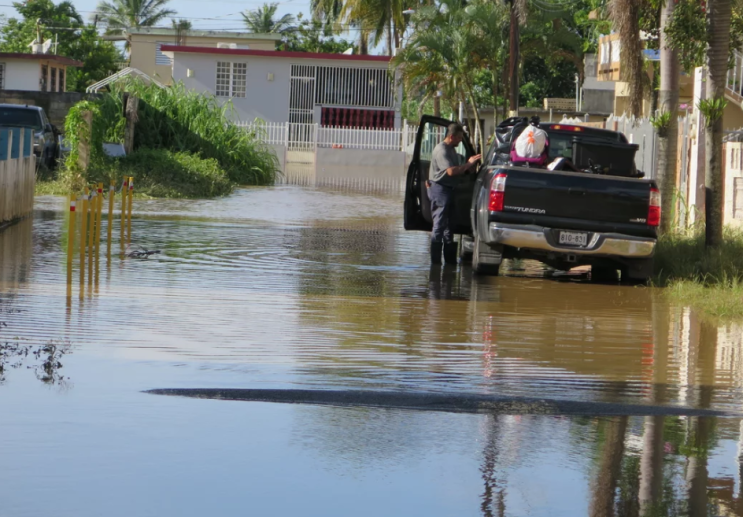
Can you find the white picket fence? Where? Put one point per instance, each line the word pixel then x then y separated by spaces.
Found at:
pixel 311 136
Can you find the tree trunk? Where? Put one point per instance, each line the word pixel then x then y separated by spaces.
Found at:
pixel 626 17
pixel 513 64
pixel 389 39
pixel 436 104
pixel 718 49
pixel 605 484
pixel 668 100
pixel 495 97
pixel 476 113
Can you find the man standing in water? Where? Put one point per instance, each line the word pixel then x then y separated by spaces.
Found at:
pixel 443 178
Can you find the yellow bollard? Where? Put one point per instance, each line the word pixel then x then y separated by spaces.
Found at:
pixel 111 194
pixel 83 230
pixel 129 219
pixel 91 234
pixel 71 238
pixel 124 190
pixel 99 219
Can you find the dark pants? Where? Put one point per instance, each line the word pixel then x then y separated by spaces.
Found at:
pixel 442 211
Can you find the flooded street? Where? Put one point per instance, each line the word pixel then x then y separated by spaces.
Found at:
pixel 290 288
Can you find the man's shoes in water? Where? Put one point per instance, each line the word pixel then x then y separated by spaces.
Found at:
pixel 450 252
pixel 436 252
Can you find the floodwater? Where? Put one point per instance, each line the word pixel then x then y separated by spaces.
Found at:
pixel 290 290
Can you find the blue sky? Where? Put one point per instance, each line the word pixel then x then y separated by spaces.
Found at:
pixel 226 12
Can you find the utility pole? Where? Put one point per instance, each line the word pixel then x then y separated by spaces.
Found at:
pixel 513 66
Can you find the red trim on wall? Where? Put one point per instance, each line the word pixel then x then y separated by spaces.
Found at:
pixel 271 53
pixel 357 118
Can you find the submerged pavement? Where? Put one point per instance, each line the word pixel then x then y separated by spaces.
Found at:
pixel 446 393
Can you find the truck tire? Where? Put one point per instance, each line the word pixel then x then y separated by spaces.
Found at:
pixel 638 271
pixel 466 246
pixel 604 273
pixel 478 266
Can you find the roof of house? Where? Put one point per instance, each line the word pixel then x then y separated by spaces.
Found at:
pixel 163 31
pixel 39 57
pixel 271 53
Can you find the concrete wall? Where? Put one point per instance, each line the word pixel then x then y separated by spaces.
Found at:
pixel 598 100
pixel 144 48
pixel 358 167
pixel 56 105
pixel 22 75
pixel 267 99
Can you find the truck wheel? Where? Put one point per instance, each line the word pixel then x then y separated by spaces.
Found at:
pixel 480 252
pixel 638 271
pixel 604 274
pixel 466 246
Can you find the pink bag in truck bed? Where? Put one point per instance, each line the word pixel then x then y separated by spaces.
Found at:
pixel 531 147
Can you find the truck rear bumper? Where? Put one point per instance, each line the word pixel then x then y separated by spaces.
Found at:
pixel 540 238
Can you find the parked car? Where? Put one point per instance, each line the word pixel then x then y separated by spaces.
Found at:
pixel 603 215
pixel 45 134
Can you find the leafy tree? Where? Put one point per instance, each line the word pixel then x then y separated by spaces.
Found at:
pixel 75 40
pixel 263 21
pixel 382 17
pixel 315 36
pixel 119 15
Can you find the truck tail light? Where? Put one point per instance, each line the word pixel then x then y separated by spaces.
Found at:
pixel 654 207
pixel 497 193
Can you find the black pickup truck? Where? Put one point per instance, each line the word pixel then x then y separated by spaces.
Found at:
pixel 604 215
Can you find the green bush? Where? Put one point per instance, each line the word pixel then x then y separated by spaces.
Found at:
pixel 184 120
pixel 163 173
pixel 181 121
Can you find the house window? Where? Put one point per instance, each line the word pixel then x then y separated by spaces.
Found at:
pixel 2 76
pixel 54 80
pixel 61 80
pixel 44 78
pixel 232 79
pixel 160 58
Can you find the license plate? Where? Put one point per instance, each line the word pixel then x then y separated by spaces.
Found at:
pixel 573 238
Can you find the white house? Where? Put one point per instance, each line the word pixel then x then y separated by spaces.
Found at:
pixel 298 87
pixel 34 72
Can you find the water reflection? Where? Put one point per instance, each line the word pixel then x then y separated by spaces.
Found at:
pixel 333 294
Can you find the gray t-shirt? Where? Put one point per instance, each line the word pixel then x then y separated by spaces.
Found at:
pixel 443 157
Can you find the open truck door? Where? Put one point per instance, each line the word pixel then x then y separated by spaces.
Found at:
pixel 431 132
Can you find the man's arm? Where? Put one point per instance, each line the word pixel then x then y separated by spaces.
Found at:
pixel 458 170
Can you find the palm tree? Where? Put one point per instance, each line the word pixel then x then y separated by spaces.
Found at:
pixel 719 13
pixel 119 15
pixel 330 11
pixel 262 20
pixel 383 17
pixel 442 53
pixel 181 28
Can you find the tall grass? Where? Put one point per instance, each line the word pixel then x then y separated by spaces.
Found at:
pixel 710 279
pixel 175 120
pixel 183 120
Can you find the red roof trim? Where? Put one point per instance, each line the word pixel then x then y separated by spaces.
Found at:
pixel 39 57
pixel 271 53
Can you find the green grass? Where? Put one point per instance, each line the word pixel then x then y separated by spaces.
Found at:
pixel 708 279
pixel 156 172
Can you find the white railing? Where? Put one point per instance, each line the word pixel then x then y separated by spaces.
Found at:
pixel 273 133
pixel 735 75
pixel 359 138
pixel 308 137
